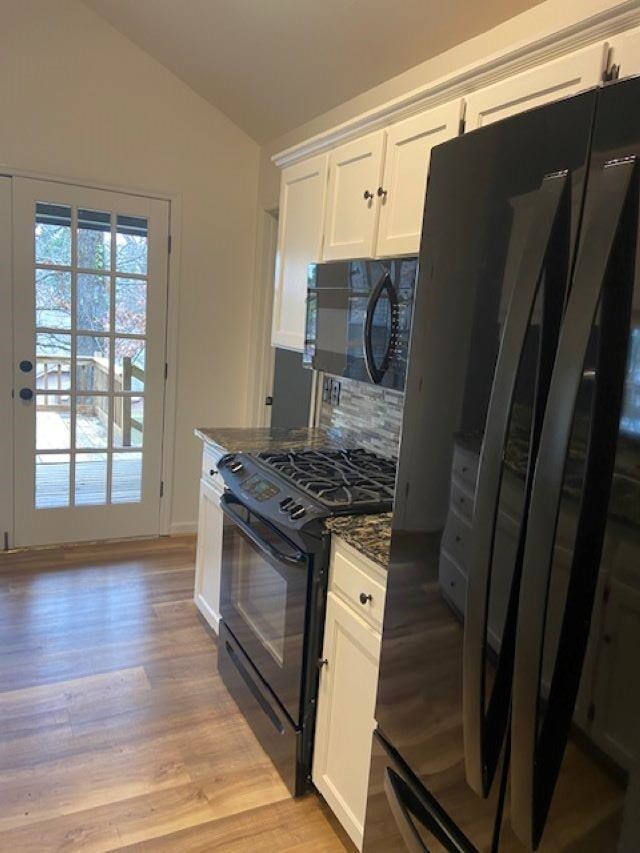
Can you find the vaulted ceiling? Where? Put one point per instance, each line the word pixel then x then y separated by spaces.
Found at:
pixel 271 65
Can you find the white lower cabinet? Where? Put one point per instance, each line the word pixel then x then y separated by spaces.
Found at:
pixel 346 700
pixel 209 548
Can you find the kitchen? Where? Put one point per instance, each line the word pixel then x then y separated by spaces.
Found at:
pixel 444 504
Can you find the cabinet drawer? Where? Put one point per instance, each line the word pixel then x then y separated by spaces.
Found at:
pixel 453 581
pixel 210 473
pixel 351 581
pixel 461 500
pixel 465 465
pixel 456 539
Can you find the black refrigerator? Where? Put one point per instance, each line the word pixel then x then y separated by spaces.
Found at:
pixel 508 704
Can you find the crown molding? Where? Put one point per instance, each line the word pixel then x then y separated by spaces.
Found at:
pixel 599 26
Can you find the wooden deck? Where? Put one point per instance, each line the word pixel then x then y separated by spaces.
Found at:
pixel 52 480
pixel 117 732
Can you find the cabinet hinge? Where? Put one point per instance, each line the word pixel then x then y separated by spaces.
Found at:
pixel 161 488
pixel 591 712
pixel 169 244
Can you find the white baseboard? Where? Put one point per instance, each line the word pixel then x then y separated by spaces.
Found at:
pixel 212 618
pixel 181 528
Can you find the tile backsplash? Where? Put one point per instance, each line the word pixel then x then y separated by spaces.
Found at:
pixel 368 414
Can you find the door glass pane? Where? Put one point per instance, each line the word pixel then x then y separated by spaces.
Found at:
pixel 53 299
pixel 92 416
pixel 131 244
pixel 131 306
pixel 94 240
pixel 126 477
pixel 92 363
pixel 53 361
pixel 53 234
pixel 93 302
pixel 52 480
pixel 128 421
pixel 129 364
pixel 91 479
pixel 53 421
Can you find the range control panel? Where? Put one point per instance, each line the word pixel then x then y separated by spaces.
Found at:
pixel 259 488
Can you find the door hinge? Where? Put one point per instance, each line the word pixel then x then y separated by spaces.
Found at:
pixel 169 244
pixel 166 371
pixel 611 71
pixel 591 712
pixel 268 400
pixel 161 488
pixel 6 540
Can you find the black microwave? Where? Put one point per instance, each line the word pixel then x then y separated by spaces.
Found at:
pixel 359 319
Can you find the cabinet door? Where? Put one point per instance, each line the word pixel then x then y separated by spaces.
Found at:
pixel 549 82
pixel 355 173
pixel 302 199
pixel 406 165
pixel 209 554
pixel 617 687
pixel 625 52
pixel 345 723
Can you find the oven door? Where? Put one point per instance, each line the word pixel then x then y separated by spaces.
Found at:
pixel 264 593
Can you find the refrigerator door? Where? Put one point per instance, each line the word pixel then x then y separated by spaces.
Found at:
pixel 569 776
pixel 503 208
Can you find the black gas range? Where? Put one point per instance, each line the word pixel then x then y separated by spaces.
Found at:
pixel 274 580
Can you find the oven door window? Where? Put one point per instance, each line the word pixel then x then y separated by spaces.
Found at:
pixel 264 603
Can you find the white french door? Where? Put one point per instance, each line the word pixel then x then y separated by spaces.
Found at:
pixel 89 314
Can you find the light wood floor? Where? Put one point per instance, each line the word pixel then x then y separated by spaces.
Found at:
pixel 115 729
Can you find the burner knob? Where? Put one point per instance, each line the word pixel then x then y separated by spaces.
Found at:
pixel 298 511
pixel 236 467
pixel 285 504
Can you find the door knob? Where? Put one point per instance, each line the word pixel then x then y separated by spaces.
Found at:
pixel 26 393
pixel 26 366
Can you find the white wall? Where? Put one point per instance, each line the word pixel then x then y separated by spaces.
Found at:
pixel 79 100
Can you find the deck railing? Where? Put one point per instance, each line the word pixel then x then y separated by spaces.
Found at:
pixel 53 375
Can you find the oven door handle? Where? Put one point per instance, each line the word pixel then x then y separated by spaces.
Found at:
pixel 296 561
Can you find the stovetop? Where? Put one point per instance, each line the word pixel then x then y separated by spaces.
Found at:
pixel 338 479
pixel 297 490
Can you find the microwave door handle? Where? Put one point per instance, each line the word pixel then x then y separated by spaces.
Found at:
pixel 405 804
pixel 604 277
pixel 377 372
pixel 265 547
pixel 544 249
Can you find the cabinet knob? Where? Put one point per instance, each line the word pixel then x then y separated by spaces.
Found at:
pixel 322 662
pixel 381 192
pixel 368 196
pixel 212 472
pixel 364 597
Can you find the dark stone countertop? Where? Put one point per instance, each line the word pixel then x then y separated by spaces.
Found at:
pixel 369 534
pixel 259 439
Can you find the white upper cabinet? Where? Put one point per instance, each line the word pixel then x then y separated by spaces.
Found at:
pixel 302 200
pixel 625 52
pixel 549 82
pixel 355 173
pixel 406 164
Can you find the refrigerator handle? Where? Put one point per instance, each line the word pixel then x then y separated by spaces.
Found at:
pixel 604 278
pixel 405 802
pixel 544 249
pixel 377 371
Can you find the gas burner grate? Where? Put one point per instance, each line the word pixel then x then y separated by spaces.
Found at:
pixel 339 479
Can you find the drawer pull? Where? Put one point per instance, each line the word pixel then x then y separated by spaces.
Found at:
pixel 364 598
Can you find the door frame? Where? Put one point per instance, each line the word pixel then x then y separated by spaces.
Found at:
pixel 174 200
